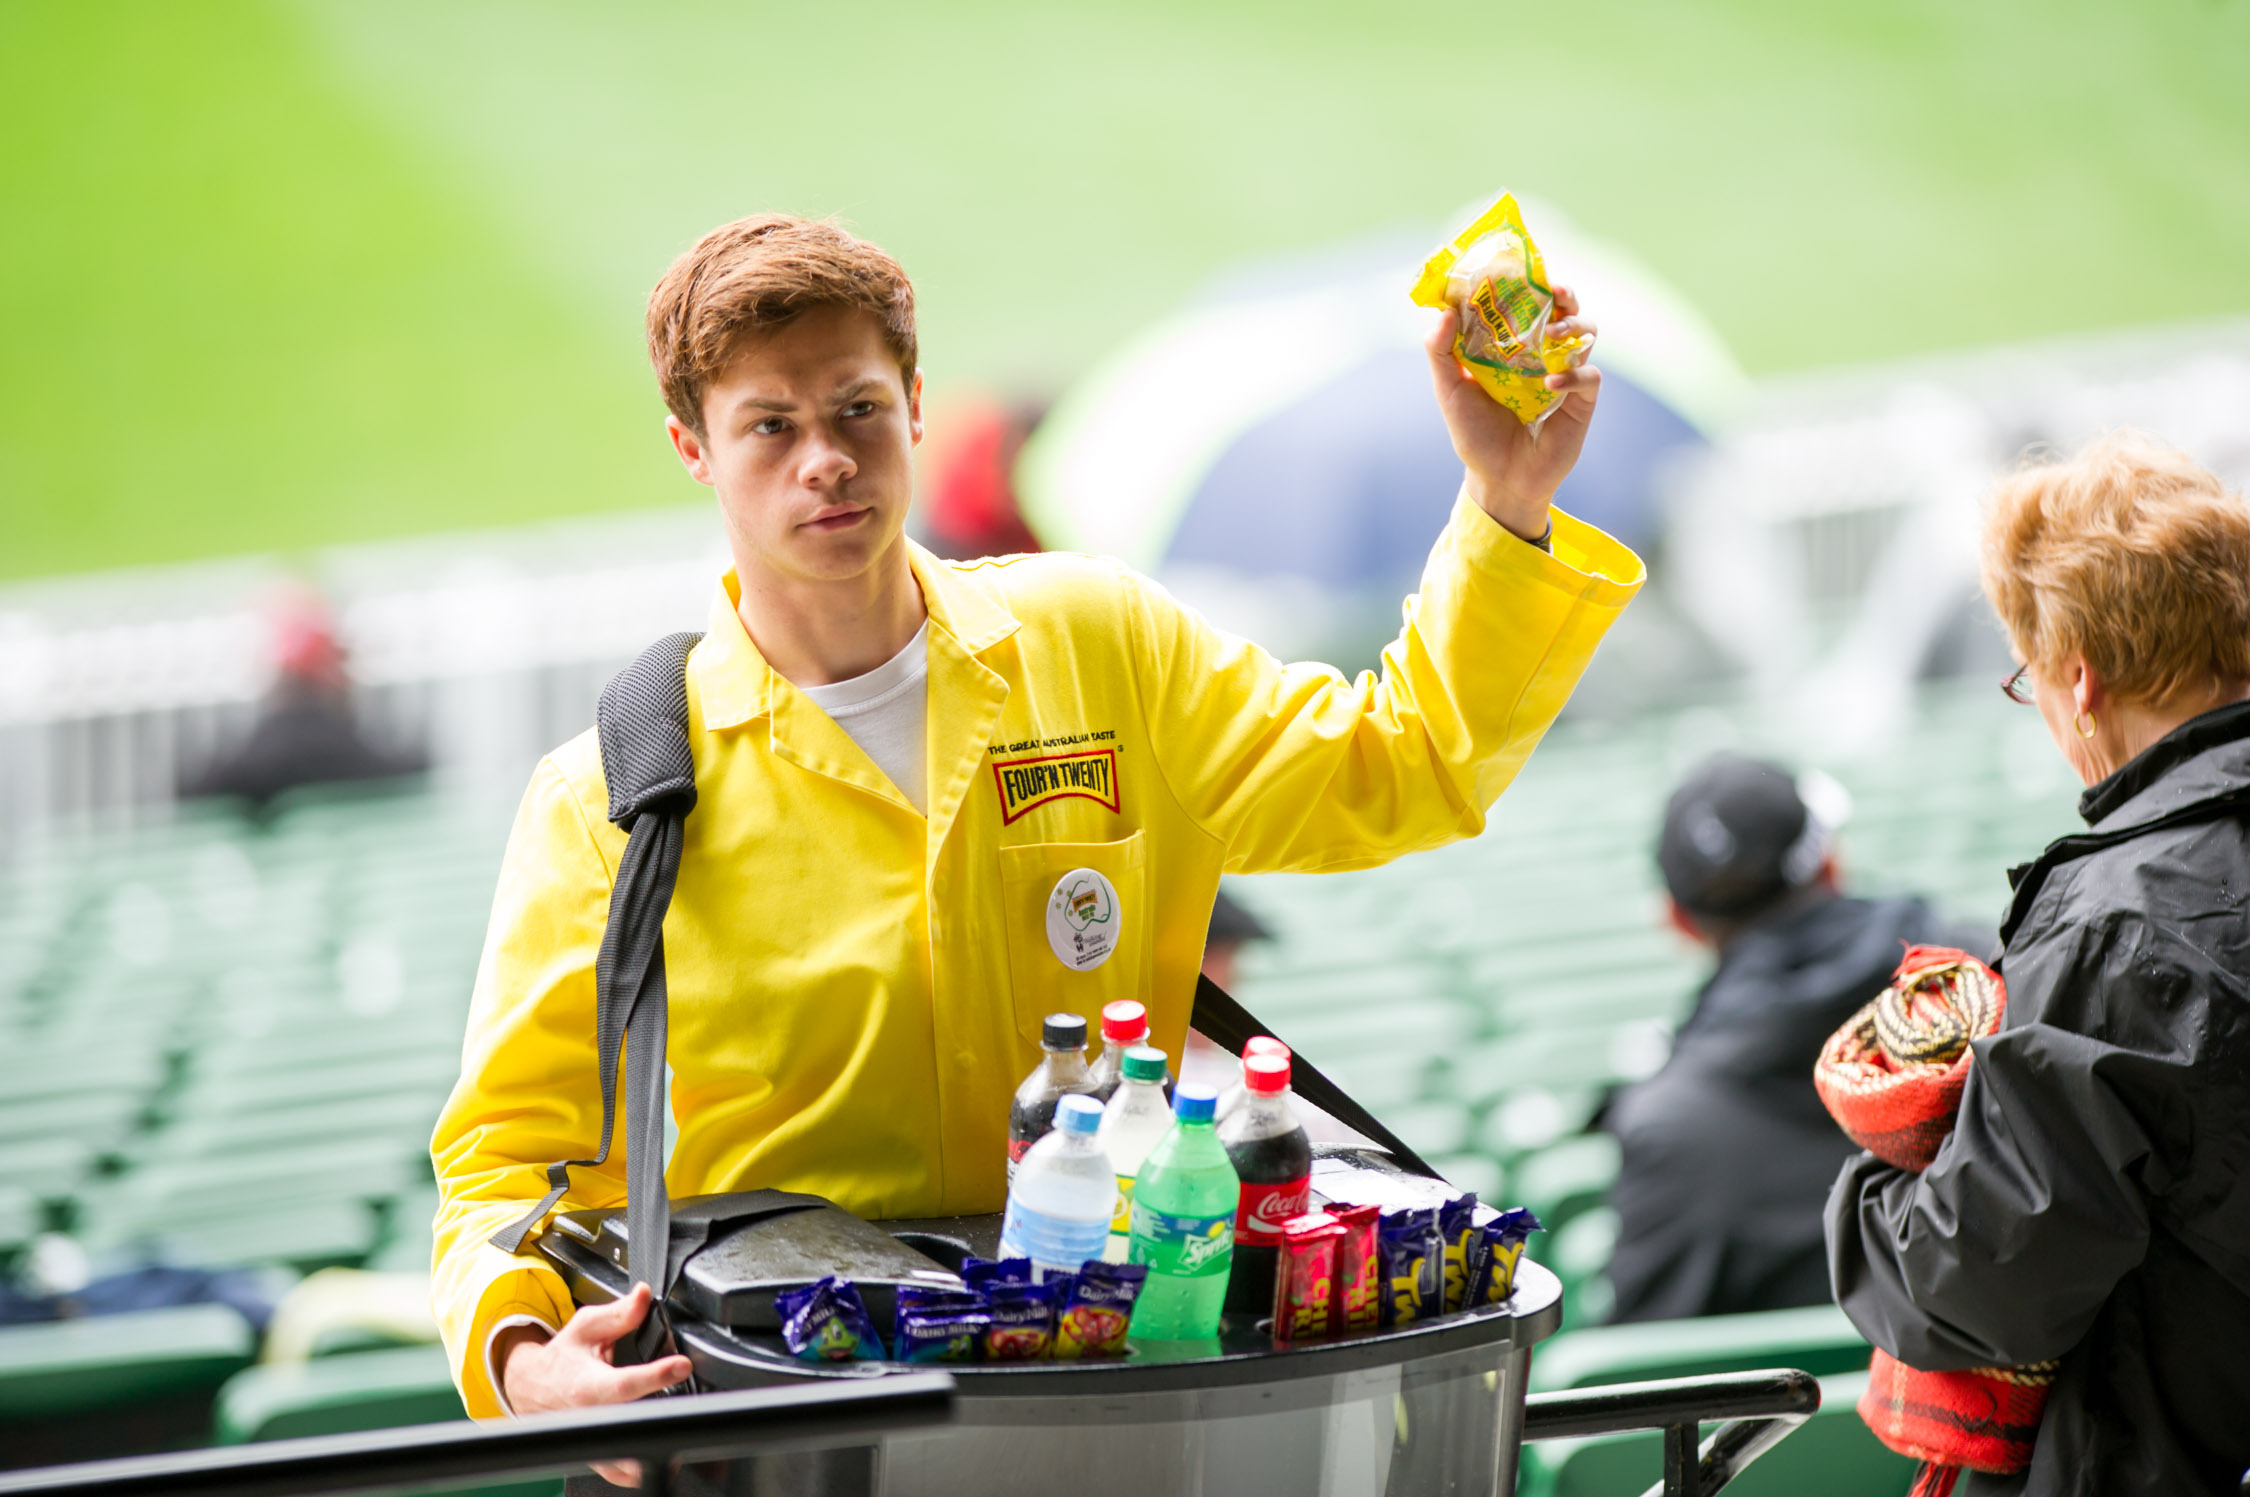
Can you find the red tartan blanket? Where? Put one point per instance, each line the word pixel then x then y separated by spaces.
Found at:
pixel 1892 1078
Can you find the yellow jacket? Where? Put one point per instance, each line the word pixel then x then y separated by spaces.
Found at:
pixel 857 989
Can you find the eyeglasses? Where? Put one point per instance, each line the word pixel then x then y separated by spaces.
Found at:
pixel 2018 685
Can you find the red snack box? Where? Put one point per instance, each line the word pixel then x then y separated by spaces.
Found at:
pixel 1304 1281
pixel 1358 1300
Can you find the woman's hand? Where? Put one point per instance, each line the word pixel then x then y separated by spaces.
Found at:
pixel 571 1369
pixel 1513 474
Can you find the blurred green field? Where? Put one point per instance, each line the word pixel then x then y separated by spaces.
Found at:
pixel 279 274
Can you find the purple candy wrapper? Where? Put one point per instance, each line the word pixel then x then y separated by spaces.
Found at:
pixel 941 1336
pixel 1097 1309
pixel 1457 1225
pixel 1023 1322
pixel 826 1321
pixel 1499 1248
pixel 983 1273
pixel 1411 1250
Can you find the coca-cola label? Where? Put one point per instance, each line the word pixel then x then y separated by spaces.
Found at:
pixel 1265 1207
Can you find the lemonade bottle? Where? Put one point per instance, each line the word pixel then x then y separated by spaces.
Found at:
pixel 1184 1202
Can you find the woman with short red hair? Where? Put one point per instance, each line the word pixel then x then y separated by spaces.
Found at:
pixel 2092 1205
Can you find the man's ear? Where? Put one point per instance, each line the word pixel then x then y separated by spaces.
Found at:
pixel 914 408
pixel 690 448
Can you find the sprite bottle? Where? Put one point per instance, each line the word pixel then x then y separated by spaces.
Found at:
pixel 1184 1202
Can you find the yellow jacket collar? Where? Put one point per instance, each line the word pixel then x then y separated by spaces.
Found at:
pixel 735 685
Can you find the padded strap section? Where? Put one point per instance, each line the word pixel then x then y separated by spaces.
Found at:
pixel 641 721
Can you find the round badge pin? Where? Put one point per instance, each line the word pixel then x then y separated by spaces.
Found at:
pixel 1083 919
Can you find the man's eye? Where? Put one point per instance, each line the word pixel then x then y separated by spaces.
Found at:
pixel 859 408
pixel 772 426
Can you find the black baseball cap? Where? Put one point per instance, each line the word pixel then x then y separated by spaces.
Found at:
pixel 1738 835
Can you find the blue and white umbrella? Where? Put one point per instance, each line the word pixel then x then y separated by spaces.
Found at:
pixel 1274 452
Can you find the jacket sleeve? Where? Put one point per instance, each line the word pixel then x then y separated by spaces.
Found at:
pixel 529 1092
pixel 1296 769
pixel 2004 1250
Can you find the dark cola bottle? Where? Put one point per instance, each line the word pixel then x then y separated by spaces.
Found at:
pixel 1061 1072
pixel 1272 1154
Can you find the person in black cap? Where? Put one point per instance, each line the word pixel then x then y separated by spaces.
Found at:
pixel 1728 1153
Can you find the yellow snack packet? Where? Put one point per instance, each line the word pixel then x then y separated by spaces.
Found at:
pixel 1494 274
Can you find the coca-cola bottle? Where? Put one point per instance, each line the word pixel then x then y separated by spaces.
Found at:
pixel 1124 1025
pixel 1060 1073
pixel 1273 1156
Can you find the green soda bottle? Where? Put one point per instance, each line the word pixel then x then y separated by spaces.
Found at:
pixel 1184 1202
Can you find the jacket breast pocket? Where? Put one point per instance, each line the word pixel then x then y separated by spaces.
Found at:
pixel 1075 943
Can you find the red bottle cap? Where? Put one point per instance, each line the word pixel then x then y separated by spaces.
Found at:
pixel 1125 1021
pixel 1263 1044
pixel 1265 1075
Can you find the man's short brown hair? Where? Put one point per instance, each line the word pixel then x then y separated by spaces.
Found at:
pixel 758 274
pixel 2130 554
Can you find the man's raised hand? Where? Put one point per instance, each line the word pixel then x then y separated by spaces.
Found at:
pixel 572 1369
pixel 1513 474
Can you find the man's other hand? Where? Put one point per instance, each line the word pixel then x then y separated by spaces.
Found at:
pixel 571 1369
pixel 1512 474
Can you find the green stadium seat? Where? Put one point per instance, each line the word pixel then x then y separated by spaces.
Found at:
pixel 1817 1339
pixel 331 1395
pixel 1580 1249
pixel 1832 1454
pixel 68 1367
pixel 303 1233
pixel 1567 1178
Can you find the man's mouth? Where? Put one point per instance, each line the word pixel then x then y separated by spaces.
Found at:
pixel 836 517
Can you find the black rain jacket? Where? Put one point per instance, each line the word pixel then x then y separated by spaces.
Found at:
pixel 1727 1153
pixel 2093 1202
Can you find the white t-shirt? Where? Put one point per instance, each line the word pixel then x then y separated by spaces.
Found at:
pixel 885 713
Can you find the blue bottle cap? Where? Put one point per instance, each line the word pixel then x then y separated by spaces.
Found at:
pixel 1194 1104
pixel 1076 1114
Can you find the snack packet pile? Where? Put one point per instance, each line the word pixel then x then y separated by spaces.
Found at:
pixel 1493 275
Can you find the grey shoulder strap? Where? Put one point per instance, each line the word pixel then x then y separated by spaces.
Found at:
pixel 641 721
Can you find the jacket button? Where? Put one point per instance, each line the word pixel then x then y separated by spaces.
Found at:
pixel 964 1059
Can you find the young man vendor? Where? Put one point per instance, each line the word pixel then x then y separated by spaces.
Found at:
pixel 899 759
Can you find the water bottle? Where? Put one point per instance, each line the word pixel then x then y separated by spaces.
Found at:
pixel 1060 1204
pixel 1184 1201
pixel 1133 1123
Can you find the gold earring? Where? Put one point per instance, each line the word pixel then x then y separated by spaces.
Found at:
pixel 2087 728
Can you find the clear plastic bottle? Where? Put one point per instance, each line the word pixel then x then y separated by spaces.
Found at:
pixel 1272 1155
pixel 1059 1206
pixel 1061 1072
pixel 1259 1044
pixel 1134 1122
pixel 1184 1201
pixel 1124 1025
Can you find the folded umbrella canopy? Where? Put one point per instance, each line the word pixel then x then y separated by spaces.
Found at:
pixel 1274 453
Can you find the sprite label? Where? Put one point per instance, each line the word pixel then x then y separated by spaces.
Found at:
pixel 1186 1247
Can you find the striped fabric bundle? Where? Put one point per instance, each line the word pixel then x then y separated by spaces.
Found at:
pixel 1892 1078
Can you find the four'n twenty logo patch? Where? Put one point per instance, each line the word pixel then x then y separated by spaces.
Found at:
pixel 1029 783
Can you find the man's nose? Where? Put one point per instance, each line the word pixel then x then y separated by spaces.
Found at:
pixel 826 462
